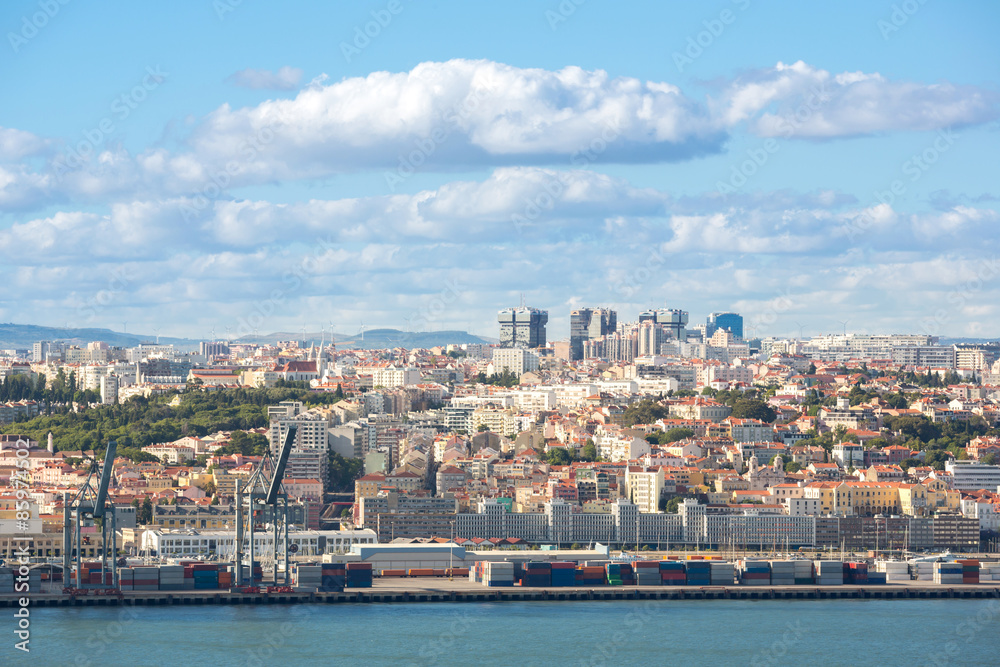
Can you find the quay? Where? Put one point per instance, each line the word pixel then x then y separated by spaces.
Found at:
pixel 464 591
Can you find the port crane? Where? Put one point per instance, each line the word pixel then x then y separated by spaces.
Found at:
pixel 89 506
pixel 262 492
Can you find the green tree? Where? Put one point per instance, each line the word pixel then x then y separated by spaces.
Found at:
pixel 589 451
pixel 144 515
pixel 752 408
pixel 646 411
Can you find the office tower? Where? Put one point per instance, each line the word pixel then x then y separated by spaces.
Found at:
pixel 673 320
pixel 522 327
pixel 589 324
pixel 731 321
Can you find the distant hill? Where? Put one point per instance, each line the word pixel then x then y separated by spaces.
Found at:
pixel 375 338
pixel 13 336
pixel 23 336
pixel 946 340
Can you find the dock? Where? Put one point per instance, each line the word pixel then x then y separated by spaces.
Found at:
pixel 465 591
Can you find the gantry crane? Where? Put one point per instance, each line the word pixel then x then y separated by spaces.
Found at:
pixel 262 491
pixel 90 505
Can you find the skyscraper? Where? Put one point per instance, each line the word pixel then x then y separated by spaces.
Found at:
pixel 522 327
pixel 589 324
pixel 731 321
pixel 674 321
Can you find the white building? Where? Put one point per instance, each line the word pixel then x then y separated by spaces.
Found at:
pixel 516 360
pixel 971 476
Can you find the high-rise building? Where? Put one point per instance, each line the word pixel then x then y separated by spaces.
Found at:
pixel 674 321
pixel 731 321
pixel 522 327
pixel 589 324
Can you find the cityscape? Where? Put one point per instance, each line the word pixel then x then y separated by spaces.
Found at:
pixel 390 333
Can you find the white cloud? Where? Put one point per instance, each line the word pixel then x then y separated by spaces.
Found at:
pixel 286 78
pixel 802 101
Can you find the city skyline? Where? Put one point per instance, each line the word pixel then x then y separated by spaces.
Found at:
pixel 415 168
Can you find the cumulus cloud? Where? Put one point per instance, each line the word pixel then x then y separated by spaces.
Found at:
pixel 800 100
pixel 17 144
pixel 286 78
pixel 445 116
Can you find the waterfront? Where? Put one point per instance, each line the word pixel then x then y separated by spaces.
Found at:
pixel 723 632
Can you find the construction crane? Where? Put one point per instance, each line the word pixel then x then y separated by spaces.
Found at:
pixel 263 491
pixel 90 505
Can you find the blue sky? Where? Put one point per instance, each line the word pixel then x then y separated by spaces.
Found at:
pixel 801 163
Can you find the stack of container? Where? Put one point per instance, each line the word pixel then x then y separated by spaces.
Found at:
pixel 359 575
pixel 206 576
pixel 35 580
pixel 613 572
pixel 172 578
pixel 803 572
pixel 989 572
pixel 647 572
pixel 753 572
pixel 699 573
pixel 333 577
pixel 895 570
pixel 672 573
pixel 476 572
pixel 225 578
pixel 309 576
pixel 6 580
pixel 783 572
pixel 970 571
pixel 590 575
pixel 146 579
pixel 90 573
pixel 855 573
pixel 126 578
pixel 922 571
pixel 948 573
pixel 563 573
pixel 258 574
pixel 537 574
pixel 498 574
pixel 829 572
pixel 876 578
pixel 722 573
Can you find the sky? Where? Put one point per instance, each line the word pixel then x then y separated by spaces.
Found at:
pixel 234 166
